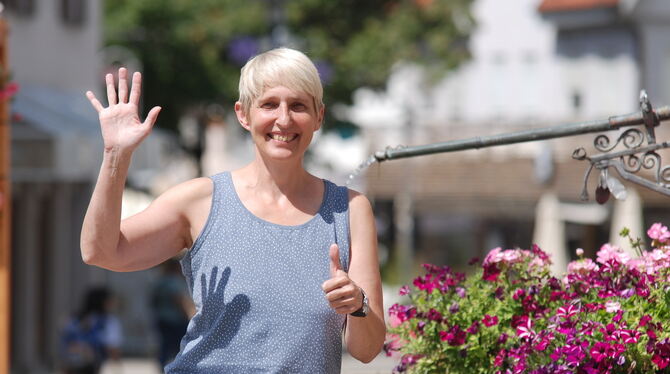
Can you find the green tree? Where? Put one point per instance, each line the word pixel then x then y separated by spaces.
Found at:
pixel 192 51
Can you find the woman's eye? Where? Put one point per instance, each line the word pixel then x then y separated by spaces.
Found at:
pixel 299 106
pixel 267 105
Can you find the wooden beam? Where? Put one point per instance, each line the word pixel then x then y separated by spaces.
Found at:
pixel 5 213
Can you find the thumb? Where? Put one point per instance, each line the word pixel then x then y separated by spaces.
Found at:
pixel 152 116
pixel 335 265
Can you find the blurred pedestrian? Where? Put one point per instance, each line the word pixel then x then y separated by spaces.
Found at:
pixel 172 308
pixel 93 335
pixel 279 260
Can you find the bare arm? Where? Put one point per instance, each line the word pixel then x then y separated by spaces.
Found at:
pixel 364 336
pixel 151 236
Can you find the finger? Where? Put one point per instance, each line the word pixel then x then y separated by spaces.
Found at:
pixel 334 253
pixel 335 283
pixel 135 89
pixel 94 101
pixel 350 302
pixel 123 85
pixel 203 285
pixel 152 116
pixel 346 292
pixel 111 92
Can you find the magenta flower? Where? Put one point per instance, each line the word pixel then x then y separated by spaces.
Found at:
pixel 661 362
pixel 629 336
pixel 404 290
pixel 525 330
pixel 599 351
pixel 500 358
pixel 567 311
pixel 474 328
pixel 455 336
pixel 489 321
pixel 434 315
pixel 644 320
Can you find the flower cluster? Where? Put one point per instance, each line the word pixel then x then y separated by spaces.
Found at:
pixel 611 315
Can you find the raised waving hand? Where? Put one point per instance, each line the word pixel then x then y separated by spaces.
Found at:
pixel 122 129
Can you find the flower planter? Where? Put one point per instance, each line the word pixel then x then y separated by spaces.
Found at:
pixel 611 315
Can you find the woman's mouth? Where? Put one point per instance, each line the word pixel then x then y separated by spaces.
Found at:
pixel 284 138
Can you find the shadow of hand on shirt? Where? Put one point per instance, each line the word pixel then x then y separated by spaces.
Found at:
pixel 219 319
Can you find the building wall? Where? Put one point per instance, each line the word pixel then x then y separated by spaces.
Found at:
pixel 47 51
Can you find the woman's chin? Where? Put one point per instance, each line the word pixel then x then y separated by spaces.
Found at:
pixel 282 154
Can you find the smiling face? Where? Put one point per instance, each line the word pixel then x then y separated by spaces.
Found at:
pixel 281 121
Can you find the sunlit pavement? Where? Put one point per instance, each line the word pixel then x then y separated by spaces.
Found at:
pixel 379 365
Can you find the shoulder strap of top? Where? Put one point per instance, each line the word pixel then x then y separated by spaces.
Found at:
pixel 339 205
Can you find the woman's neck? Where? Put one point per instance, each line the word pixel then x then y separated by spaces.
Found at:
pixel 285 177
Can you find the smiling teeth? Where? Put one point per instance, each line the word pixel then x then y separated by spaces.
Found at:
pixel 282 138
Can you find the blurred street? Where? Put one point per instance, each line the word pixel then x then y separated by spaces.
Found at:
pixel 381 364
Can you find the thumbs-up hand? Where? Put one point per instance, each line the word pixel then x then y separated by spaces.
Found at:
pixel 342 293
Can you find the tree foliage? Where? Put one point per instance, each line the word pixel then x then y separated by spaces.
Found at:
pixel 192 51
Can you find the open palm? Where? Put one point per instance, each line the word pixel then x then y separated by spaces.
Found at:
pixel 120 121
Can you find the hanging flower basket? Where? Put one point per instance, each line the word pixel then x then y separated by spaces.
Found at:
pixel 611 315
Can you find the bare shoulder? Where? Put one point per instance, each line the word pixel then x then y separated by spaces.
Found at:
pixel 192 189
pixel 177 202
pixel 359 205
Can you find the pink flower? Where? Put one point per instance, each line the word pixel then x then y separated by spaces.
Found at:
pixel 493 257
pixel 9 90
pixel 609 253
pixel 582 267
pixel 511 256
pixel 579 252
pixel 489 321
pixel 659 232
pixel 612 306
pixel 404 290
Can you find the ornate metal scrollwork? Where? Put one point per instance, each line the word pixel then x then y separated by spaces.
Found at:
pixel 631 138
pixel 634 156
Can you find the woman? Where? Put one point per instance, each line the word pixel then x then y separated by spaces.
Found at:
pixel 280 262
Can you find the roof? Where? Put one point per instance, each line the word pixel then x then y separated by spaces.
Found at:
pixel 548 6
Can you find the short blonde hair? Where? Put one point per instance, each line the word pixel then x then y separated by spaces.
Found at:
pixel 279 67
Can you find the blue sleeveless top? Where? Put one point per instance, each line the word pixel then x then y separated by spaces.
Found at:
pixel 257 290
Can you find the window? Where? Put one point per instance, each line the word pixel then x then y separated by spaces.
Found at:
pixel 21 7
pixel 576 102
pixel 73 12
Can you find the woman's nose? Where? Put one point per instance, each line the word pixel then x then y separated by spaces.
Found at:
pixel 283 116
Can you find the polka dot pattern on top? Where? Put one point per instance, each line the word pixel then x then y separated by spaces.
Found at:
pixel 257 290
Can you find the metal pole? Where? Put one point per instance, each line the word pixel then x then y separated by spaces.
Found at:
pixel 612 123
pixel 5 214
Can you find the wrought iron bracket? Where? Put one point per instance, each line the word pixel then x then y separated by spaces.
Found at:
pixel 628 162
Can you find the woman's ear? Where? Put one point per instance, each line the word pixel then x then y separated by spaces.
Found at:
pixel 241 116
pixel 321 112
